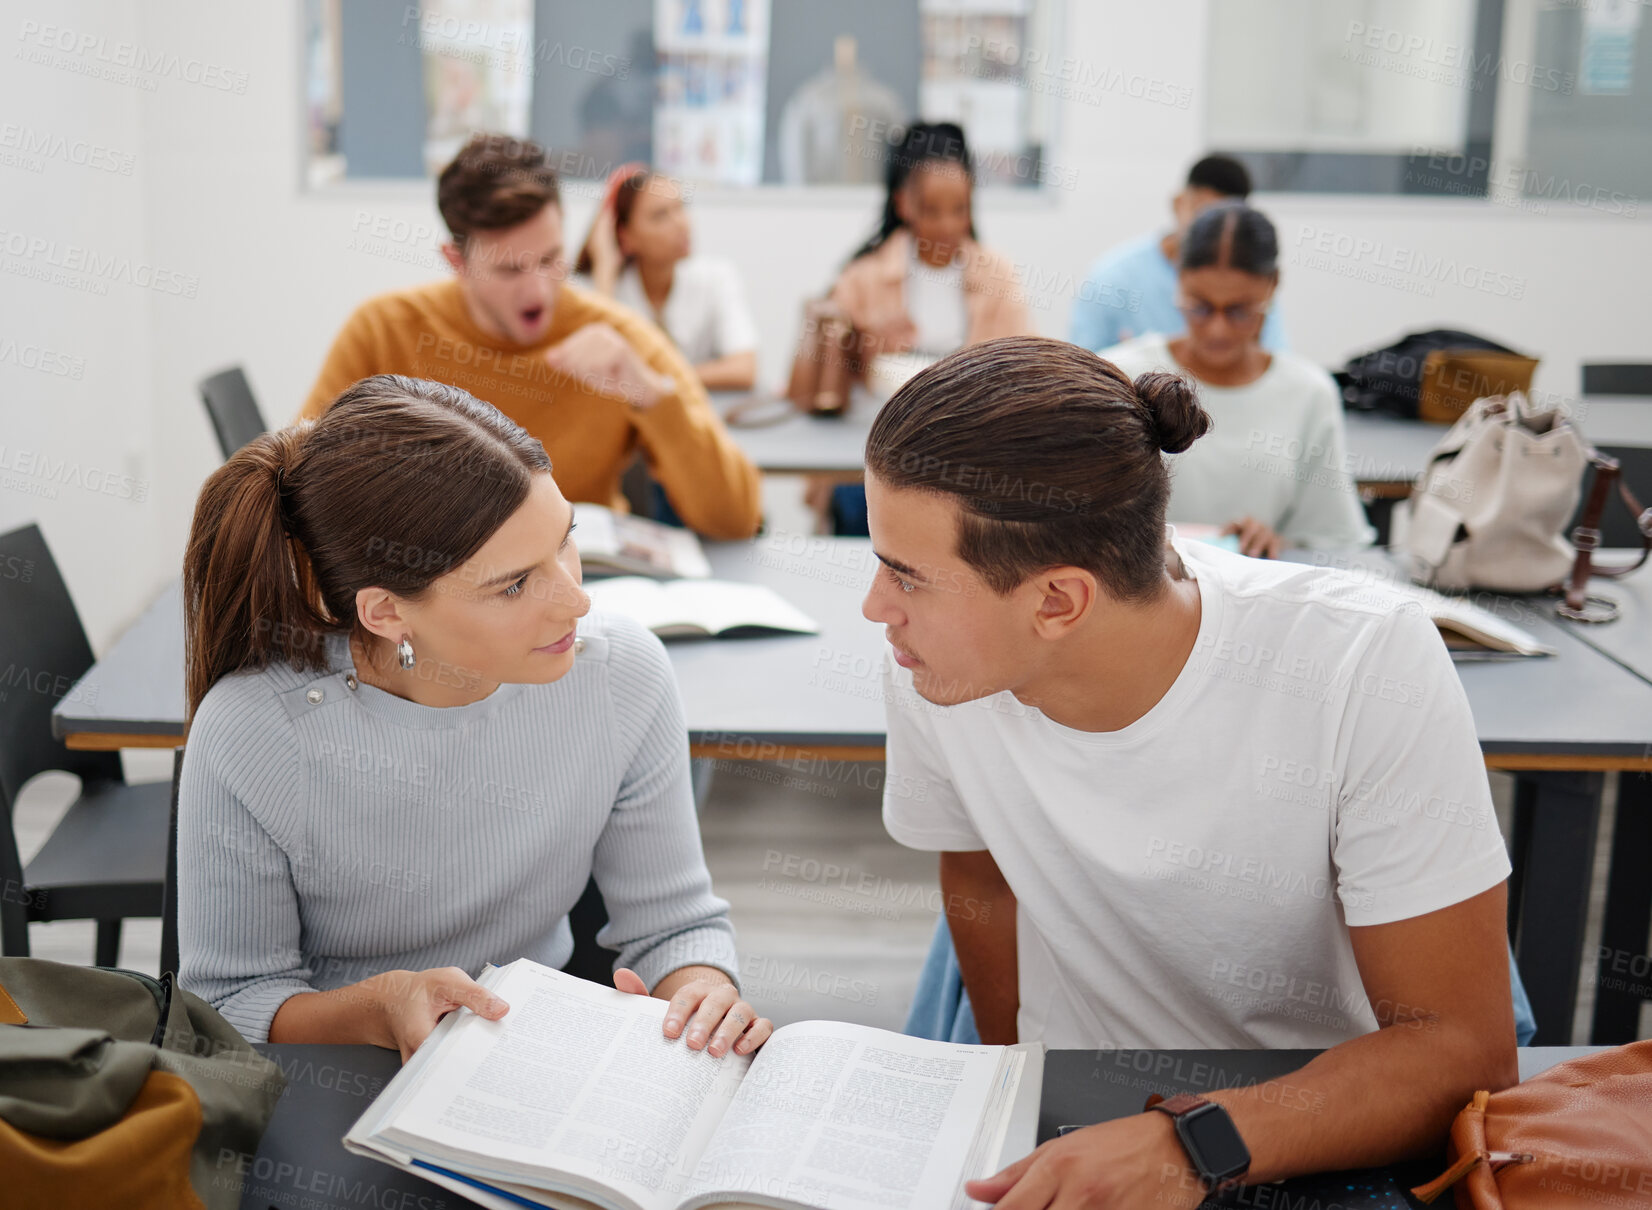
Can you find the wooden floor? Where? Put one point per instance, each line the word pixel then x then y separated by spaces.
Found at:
pixel 833 917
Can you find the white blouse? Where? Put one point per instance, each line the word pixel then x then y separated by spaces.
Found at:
pixel 705 314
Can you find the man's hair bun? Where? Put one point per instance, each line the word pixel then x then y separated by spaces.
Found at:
pixel 1177 419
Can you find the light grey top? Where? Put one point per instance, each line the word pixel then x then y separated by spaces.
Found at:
pixel 328 832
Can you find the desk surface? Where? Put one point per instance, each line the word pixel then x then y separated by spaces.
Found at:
pixel 1381 449
pixel 800 444
pixel 752 698
pixel 1387 449
pixel 1628 640
pixel 301 1160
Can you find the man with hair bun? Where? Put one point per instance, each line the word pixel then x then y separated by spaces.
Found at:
pixel 1183 799
pixel 589 378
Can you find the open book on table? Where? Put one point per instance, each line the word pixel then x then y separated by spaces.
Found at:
pixel 575 1099
pixel 1473 633
pixel 619 543
pixel 1470 632
pixel 697 608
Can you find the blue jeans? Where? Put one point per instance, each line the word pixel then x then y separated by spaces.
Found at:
pixel 940 1008
pixel 849 511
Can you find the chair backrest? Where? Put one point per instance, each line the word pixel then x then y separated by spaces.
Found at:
pixel 169 895
pixel 1621 378
pixel 1617 527
pixel 234 412
pixel 43 652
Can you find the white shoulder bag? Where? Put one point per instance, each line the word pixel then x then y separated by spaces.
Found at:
pixel 1490 508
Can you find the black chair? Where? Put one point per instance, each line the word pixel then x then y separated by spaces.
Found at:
pixel 1623 378
pixel 234 412
pixel 106 859
pixel 169 901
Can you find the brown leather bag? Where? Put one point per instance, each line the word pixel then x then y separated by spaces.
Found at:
pixel 1579 605
pixel 1577 1135
pixel 825 366
pixel 1454 378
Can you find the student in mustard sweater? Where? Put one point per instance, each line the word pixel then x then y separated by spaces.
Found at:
pixel 590 379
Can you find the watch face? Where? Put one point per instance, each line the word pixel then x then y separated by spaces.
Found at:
pixel 1213 1142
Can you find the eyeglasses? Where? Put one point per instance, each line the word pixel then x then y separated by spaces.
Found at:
pixel 1240 315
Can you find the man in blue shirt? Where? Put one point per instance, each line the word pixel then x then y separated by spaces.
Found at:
pixel 1132 289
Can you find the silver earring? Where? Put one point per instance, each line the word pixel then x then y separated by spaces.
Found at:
pixel 404 653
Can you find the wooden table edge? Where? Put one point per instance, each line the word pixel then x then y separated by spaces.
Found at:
pixel 770 750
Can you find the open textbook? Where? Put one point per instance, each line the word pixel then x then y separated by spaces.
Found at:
pixel 1473 633
pixel 696 608
pixel 1470 632
pixel 619 543
pixel 576 1098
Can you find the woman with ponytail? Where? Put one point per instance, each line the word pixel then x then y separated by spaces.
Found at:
pixel 922 284
pixel 411 745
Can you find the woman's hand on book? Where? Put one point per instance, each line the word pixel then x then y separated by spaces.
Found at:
pixel 706 1009
pixel 411 1002
pixel 1133 1163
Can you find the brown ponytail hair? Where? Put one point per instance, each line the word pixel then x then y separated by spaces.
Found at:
pixel 1052 454
pixel 398 483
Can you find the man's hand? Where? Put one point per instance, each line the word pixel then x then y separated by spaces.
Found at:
pixel 1255 539
pixel 602 361
pixel 1119 1165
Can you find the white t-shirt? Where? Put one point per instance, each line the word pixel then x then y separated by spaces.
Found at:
pixel 935 303
pixel 1277 450
pixel 1188 881
pixel 705 314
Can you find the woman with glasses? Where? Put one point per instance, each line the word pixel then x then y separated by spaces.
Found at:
pixel 1274 470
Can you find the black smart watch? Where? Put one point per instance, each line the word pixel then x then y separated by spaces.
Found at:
pixel 1209 1137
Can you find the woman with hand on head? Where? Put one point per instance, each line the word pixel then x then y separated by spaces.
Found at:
pixel 638 252
pixel 411 746
pixel 1274 469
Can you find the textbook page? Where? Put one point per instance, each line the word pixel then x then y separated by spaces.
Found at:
pixel 854 1118
pixel 575 1078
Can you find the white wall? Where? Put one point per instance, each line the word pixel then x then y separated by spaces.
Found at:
pixel 220 198
pixel 78 433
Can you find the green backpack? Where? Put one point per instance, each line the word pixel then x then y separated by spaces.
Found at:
pixel 120 1089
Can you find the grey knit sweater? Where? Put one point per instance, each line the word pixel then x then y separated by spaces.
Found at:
pixel 328 830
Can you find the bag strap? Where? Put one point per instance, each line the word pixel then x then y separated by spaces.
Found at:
pixel 1586 536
